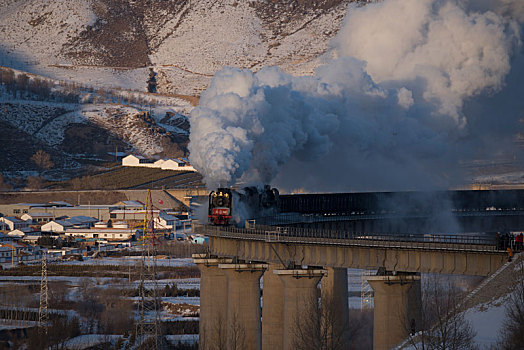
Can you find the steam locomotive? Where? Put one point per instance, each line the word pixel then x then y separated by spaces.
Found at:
pixel 227 206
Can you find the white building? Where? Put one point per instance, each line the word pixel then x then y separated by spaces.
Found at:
pixel 19 233
pixel 132 160
pixel 60 226
pixel 38 218
pixel 180 164
pixel 172 164
pixel 13 223
pixel 110 234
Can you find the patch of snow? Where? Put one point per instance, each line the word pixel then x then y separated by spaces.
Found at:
pixel 487 320
pixel 90 340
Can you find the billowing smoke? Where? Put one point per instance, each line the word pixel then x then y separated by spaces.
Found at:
pixel 401 99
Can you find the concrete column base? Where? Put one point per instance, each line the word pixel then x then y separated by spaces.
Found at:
pixel 213 302
pixel 335 300
pixel 300 296
pixel 272 310
pixel 243 306
pixel 397 308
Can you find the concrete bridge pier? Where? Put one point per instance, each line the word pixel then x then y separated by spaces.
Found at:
pixel 272 310
pixel 213 301
pixel 335 298
pixel 243 305
pixel 300 295
pixel 397 308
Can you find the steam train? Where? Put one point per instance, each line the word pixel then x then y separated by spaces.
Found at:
pixel 229 206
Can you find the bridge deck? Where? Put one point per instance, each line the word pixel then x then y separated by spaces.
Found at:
pixel 472 243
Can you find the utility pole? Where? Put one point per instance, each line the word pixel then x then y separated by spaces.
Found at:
pixel 43 313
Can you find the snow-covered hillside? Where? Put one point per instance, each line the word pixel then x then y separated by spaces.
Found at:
pixel 112 42
pixel 74 122
pixel 99 54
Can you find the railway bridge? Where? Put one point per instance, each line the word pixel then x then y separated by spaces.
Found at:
pixel 298 249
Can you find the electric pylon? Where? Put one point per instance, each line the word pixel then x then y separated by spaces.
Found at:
pixel 43 313
pixel 149 334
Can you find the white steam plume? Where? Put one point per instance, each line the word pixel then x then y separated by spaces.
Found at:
pixel 386 111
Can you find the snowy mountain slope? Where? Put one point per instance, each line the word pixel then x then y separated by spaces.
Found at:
pixel 49 122
pixel 36 30
pixel 102 51
pixel 185 41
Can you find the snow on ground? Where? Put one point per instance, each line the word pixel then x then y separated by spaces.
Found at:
pixel 35 31
pixel 487 320
pixel 187 49
pixel 131 260
pixel 53 132
pixel 182 300
pixel 90 340
pixel 182 338
pixel 18 324
pixel 234 44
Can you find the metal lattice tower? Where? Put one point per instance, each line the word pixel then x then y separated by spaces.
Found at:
pixel 148 329
pixel 366 292
pixel 43 313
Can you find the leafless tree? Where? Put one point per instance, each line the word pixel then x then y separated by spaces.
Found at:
pixel 361 329
pixel 42 159
pixel 443 326
pixel 321 326
pixel 58 294
pixel 4 185
pixel 224 335
pixel 217 335
pixel 235 334
pixel 117 316
pixel 34 183
pixel 512 335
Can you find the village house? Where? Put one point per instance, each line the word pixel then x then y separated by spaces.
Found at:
pixel 180 164
pixel 166 222
pixel 18 209
pixel 60 226
pixel 20 232
pixel 65 251
pixel 103 233
pixel 32 237
pixel 6 254
pixel 38 218
pixel 5 238
pixel 132 160
pixel 13 223
pixel 130 205
pixel 131 215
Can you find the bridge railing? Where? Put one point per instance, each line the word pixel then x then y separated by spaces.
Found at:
pixel 339 237
pixel 283 219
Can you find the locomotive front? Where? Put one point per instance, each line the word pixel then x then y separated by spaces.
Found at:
pixel 220 206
